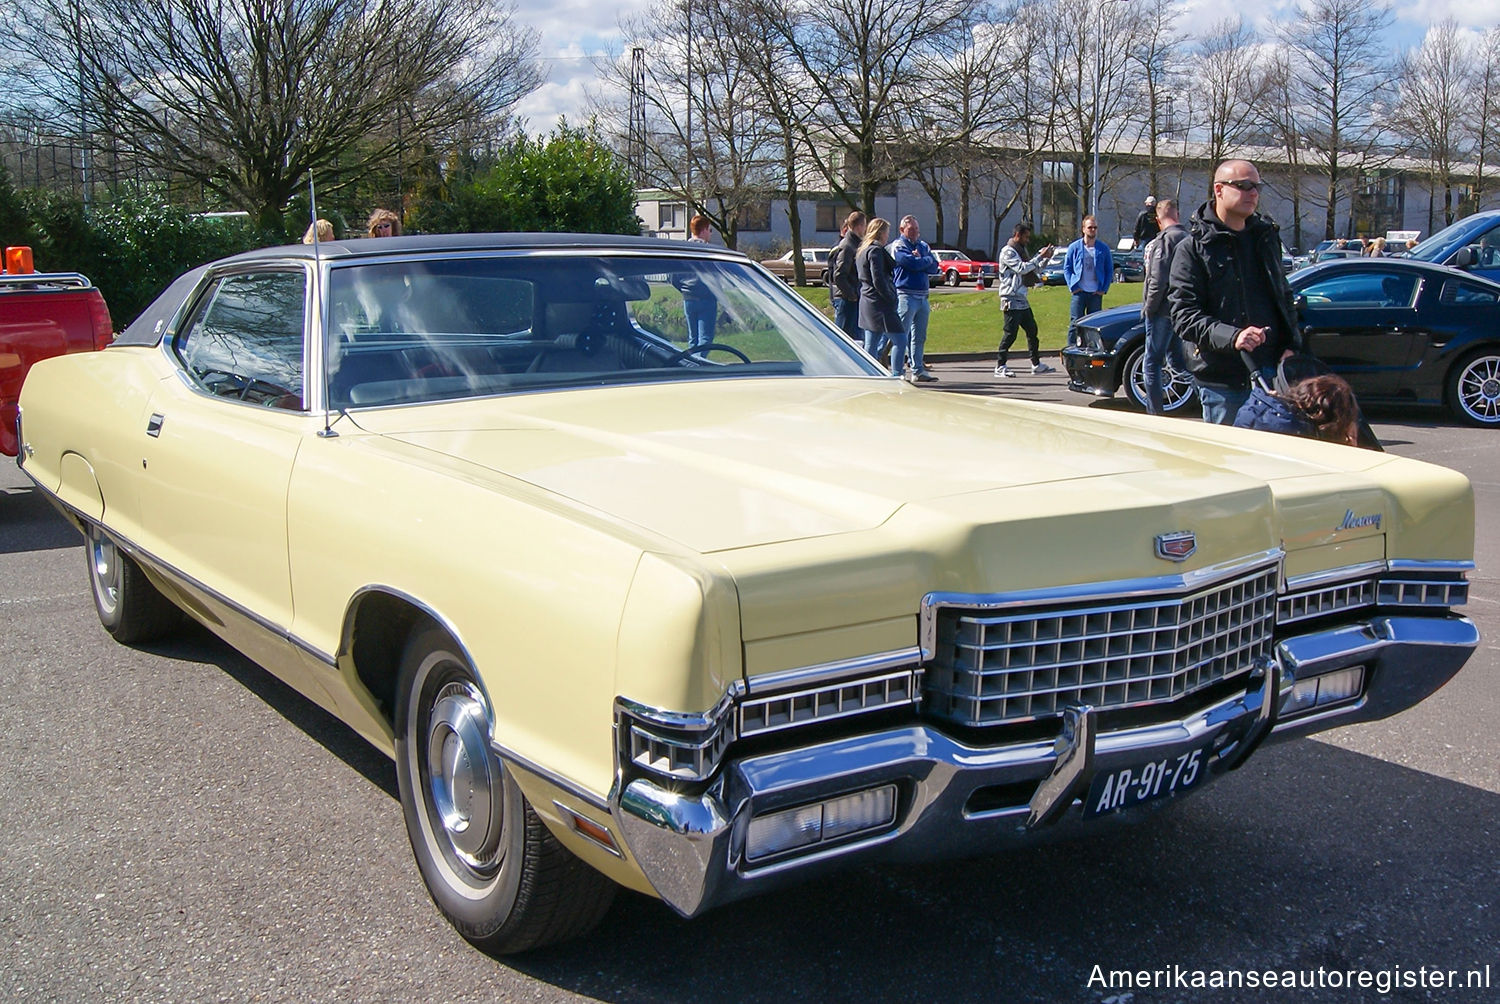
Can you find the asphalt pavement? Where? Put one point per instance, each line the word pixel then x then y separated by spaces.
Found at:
pixel 176 825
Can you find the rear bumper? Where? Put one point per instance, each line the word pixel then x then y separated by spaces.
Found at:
pixel 954 799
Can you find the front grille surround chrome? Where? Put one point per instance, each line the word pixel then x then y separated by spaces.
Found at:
pixel 828 702
pixel 1010 658
pixel 1432 585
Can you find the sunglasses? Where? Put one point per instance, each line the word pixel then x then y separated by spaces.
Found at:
pixel 1243 185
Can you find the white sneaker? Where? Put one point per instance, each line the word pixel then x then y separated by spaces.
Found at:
pixel 1004 371
pixel 1041 368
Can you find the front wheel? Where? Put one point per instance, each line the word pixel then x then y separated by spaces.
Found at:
pixel 489 862
pixel 951 277
pixel 1177 385
pixel 131 609
pixel 1474 388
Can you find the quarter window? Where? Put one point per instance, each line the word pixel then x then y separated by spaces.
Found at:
pixel 245 341
pixel 1466 294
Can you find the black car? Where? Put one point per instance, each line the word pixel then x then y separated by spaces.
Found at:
pixel 1130 266
pixel 1399 330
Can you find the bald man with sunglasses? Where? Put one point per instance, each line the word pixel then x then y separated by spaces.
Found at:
pixel 1228 293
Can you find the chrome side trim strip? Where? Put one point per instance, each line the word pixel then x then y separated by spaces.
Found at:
pixel 827 672
pixel 1296 583
pixel 1122 589
pixel 1409 565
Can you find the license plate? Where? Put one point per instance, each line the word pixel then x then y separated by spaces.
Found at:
pixel 1146 781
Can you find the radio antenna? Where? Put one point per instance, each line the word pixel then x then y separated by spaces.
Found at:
pixel 317 299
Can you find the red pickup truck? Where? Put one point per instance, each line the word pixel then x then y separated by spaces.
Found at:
pixel 42 314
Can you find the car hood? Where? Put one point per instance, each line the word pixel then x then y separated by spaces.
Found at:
pixel 722 465
pixel 1114 319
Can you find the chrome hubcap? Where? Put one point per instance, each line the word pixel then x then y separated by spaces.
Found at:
pixel 464 780
pixel 1479 389
pixel 105 561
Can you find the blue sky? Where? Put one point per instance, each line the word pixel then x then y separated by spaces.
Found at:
pixel 573 30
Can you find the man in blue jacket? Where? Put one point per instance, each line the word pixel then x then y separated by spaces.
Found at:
pixel 914 263
pixel 1088 270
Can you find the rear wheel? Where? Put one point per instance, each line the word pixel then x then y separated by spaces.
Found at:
pixel 1177 385
pixel 490 864
pixel 131 609
pixel 1474 388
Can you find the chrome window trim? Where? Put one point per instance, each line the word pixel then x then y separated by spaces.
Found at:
pixel 311 329
pixel 1118 590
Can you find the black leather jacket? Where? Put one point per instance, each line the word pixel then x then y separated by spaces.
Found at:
pixel 843 272
pixel 1207 296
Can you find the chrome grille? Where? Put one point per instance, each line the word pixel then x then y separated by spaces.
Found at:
pixel 824 703
pixel 993 668
pixel 1421 592
pixel 1335 598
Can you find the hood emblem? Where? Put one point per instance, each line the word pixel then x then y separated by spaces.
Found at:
pixel 1178 546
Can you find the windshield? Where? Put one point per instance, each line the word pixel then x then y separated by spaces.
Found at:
pixel 441 328
pixel 1440 245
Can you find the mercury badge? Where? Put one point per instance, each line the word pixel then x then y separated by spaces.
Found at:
pixel 1177 546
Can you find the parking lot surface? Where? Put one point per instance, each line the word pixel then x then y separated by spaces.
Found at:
pixel 175 825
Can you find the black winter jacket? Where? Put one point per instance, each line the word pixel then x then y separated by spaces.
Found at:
pixel 877 291
pixel 843 269
pixel 1207 296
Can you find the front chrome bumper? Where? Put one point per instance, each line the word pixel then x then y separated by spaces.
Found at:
pixel 956 799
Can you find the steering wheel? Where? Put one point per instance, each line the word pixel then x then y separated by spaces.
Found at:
pixel 693 350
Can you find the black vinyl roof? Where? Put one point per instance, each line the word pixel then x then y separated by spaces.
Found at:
pixel 148 328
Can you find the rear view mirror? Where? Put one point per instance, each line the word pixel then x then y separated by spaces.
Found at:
pixel 1465 258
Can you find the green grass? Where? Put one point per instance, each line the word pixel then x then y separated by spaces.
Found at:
pixel 970 322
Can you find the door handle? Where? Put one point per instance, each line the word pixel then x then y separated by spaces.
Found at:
pixel 153 426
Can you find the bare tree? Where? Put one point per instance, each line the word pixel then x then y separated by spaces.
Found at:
pixel 724 167
pixel 1338 71
pixel 1230 85
pixel 1486 109
pixel 1437 84
pixel 947 130
pixel 862 61
pixel 1281 119
pixel 1158 51
pixel 250 97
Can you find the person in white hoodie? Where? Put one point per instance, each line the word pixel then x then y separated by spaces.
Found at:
pixel 1014 303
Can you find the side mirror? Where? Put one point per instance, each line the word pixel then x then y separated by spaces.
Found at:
pixel 1299 302
pixel 1465 258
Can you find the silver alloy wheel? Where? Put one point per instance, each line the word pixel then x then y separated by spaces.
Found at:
pixel 105 572
pixel 1177 387
pixel 1477 389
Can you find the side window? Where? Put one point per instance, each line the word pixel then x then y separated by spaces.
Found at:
pixel 1457 293
pixel 1363 289
pixel 245 340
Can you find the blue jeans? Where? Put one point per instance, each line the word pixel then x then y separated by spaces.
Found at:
pixel 702 316
pixel 846 316
pixel 1161 342
pixel 1082 303
pixel 876 341
pixel 914 309
pixel 1221 404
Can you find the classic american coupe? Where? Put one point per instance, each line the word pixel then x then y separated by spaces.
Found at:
pixel 702 620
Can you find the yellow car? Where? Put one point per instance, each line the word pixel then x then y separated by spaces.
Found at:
pixel 701 617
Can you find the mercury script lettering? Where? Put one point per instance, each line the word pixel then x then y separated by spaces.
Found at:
pixel 1353 522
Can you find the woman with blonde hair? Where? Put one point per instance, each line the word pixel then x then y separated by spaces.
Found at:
pixel 383 223
pixel 318 232
pixel 878 316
